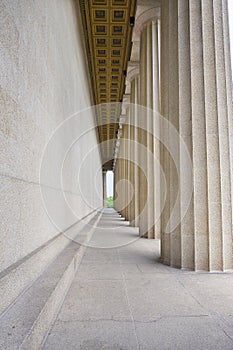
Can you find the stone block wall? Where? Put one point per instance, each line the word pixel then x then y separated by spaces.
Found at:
pixel 43 81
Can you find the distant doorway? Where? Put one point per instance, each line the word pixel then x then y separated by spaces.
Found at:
pixel 109 190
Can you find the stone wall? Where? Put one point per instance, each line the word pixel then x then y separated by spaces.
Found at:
pixel 43 81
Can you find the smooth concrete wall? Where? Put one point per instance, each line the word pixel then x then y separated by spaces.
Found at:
pixel 43 81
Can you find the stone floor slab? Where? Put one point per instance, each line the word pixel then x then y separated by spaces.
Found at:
pixel 107 335
pixel 183 333
pixel 95 299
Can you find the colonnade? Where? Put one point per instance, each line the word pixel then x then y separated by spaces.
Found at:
pixel 181 184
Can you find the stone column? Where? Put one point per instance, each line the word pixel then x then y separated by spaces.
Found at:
pixel 128 168
pixel 228 68
pixel 142 135
pixel 146 137
pixel 173 105
pixel 120 174
pixel 116 180
pixel 164 155
pixel 122 167
pixel 217 137
pixel 150 128
pixel 185 128
pixel 149 98
pixel 104 189
pixel 195 58
pixel 132 150
pixel 124 170
pixel 156 125
pixel 134 171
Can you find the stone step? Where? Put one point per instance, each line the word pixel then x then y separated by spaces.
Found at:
pixel 24 325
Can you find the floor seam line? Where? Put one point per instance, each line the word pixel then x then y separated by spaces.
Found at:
pixel 211 314
pixel 127 298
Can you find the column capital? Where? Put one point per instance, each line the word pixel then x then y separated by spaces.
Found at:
pixel 145 16
pixel 125 104
pixel 133 71
pixel 147 11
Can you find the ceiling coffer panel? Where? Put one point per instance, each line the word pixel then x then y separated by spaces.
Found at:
pixel 108 32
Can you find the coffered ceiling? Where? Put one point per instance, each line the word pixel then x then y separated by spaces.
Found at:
pixel 108 31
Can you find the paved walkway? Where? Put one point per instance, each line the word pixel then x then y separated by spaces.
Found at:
pixel 123 298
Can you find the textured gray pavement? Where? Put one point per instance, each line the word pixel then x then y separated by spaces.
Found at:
pixel 124 298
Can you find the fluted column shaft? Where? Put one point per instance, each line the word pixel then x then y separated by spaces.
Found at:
pixel 120 184
pixel 115 179
pixel 124 169
pixel 164 155
pixel 135 149
pixel 185 129
pixel 134 208
pixel 195 99
pixel 116 182
pixel 150 99
pixel 104 190
pixel 132 148
pixel 143 195
pixel 156 125
pixel 128 157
